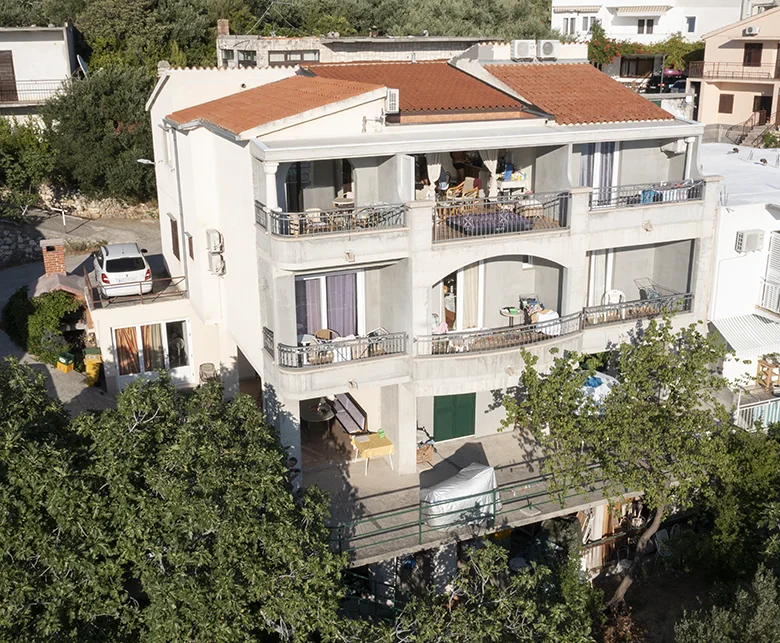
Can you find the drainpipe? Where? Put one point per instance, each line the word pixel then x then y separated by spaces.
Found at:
pixel 183 249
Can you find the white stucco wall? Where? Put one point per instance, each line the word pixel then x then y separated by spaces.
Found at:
pixel 39 54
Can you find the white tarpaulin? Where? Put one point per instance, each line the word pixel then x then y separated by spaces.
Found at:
pixel 598 386
pixel 465 498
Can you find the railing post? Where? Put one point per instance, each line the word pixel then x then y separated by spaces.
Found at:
pixel 495 497
pixel 419 524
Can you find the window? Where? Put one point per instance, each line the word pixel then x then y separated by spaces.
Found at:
pixel 247 58
pixel 152 347
pixel 7 78
pixel 190 245
pixel 293 57
pixel 644 26
pixel 752 55
pixel 726 104
pixel 228 55
pixel 125 264
pixel 569 26
pixel 175 238
pixel 598 167
pixel 770 295
pixel 636 67
pixel 331 301
pixel 690 23
pixel 587 23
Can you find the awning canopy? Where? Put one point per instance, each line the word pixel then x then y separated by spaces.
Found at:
pixel 642 11
pixel 750 335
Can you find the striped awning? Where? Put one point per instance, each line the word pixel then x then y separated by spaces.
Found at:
pixel 750 335
pixel 578 9
pixel 642 11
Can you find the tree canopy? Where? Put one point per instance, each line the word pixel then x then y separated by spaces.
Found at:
pixel 169 518
pixel 661 429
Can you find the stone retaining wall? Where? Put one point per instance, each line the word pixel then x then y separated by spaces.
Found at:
pixel 18 244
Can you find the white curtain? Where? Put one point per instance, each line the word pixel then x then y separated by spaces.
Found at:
pixel 490 161
pixel 433 161
pixel 470 296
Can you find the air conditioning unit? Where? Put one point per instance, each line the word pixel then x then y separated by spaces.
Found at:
pixel 216 264
pixel 214 241
pixel 392 101
pixel 749 240
pixel 523 50
pixel 752 30
pixel 548 49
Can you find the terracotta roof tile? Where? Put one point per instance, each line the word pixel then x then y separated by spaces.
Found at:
pixel 577 93
pixel 424 86
pixel 267 103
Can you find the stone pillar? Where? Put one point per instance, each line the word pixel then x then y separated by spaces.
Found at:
pixel 271 197
pixel 223 27
pixel 575 279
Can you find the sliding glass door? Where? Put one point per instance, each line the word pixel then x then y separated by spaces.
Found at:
pixel 143 350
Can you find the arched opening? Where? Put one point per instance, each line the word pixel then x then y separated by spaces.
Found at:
pixel 476 296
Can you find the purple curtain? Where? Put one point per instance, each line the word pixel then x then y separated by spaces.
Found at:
pixel 342 303
pixel 308 305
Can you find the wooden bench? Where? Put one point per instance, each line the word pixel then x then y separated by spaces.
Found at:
pixel 350 414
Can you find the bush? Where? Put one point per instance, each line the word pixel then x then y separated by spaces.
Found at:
pixel 35 324
pixel 98 130
pixel 770 139
pixel 26 161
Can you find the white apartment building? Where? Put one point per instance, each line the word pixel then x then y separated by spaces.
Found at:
pixel 34 64
pixel 381 240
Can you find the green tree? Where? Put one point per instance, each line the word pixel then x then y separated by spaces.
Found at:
pixel 168 519
pixel 754 616
pixel 26 161
pixel 98 130
pixel 660 431
pixel 486 602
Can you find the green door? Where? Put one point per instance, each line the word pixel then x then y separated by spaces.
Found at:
pixel 454 416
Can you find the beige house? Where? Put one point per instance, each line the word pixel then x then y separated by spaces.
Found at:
pixel 738 81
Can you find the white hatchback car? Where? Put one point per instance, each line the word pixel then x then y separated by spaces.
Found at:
pixel 121 269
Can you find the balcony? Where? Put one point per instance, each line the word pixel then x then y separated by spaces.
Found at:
pixel 732 71
pixel 341 350
pixel 317 222
pixel 30 91
pixel 639 309
pixel 507 215
pixel 627 196
pixel 497 339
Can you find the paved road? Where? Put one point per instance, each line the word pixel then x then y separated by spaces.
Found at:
pixel 71 388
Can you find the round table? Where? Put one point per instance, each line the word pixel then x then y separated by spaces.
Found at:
pixel 318 411
pixel 511 313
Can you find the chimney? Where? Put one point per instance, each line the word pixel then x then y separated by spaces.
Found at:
pixel 223 27
pixel 53 256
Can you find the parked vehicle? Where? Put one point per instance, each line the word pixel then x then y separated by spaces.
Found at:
pixel 661 84
pixel 121 269
pixel 678 86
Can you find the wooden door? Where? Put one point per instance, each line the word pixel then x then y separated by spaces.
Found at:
pixel 7 78
pixel 454 416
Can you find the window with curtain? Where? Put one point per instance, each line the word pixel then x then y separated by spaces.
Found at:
pixel 470 296
pixel 342 303
pixel 606 169
pixel 586 164
pixel 127 351
pixel 152 342
pixel 308 305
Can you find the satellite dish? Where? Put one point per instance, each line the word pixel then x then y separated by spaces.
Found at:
pixel 82 65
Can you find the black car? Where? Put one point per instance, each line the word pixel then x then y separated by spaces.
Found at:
pixel 657 84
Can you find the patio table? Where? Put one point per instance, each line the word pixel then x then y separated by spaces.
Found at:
pixel 370 445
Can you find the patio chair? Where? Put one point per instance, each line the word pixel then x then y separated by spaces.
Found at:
pixel 326 334
pixel 314 220
pixel 662 549
pixel 612 297
pixel 455 191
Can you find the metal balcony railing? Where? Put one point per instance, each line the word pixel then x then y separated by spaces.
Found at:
pixel 268 341
pixel 324 353
pixel 766 412
pixel 315 222
pixel 474 217
pixel 627 196
pixel 732 71
pixel 639 309
pixel 481 341
pixel 30 91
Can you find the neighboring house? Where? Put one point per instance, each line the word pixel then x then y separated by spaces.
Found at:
pixel 264 51
pixel 297 217
pixel 35 62
pixel 745 300
pixel 738 82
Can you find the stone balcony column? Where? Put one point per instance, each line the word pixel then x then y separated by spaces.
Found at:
pixel 271 198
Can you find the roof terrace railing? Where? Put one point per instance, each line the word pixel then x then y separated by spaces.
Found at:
pixel 732 70
pixel 30 91
pixel 315 222
pixel 646 194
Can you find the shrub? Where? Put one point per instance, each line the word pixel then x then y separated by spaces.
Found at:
pixel 35 324
pixel 26 161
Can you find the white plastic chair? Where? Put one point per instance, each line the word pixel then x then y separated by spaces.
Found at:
pixel 614 297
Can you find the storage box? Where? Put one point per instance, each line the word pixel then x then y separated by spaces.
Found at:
pixel 65 368
pixel 65 358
